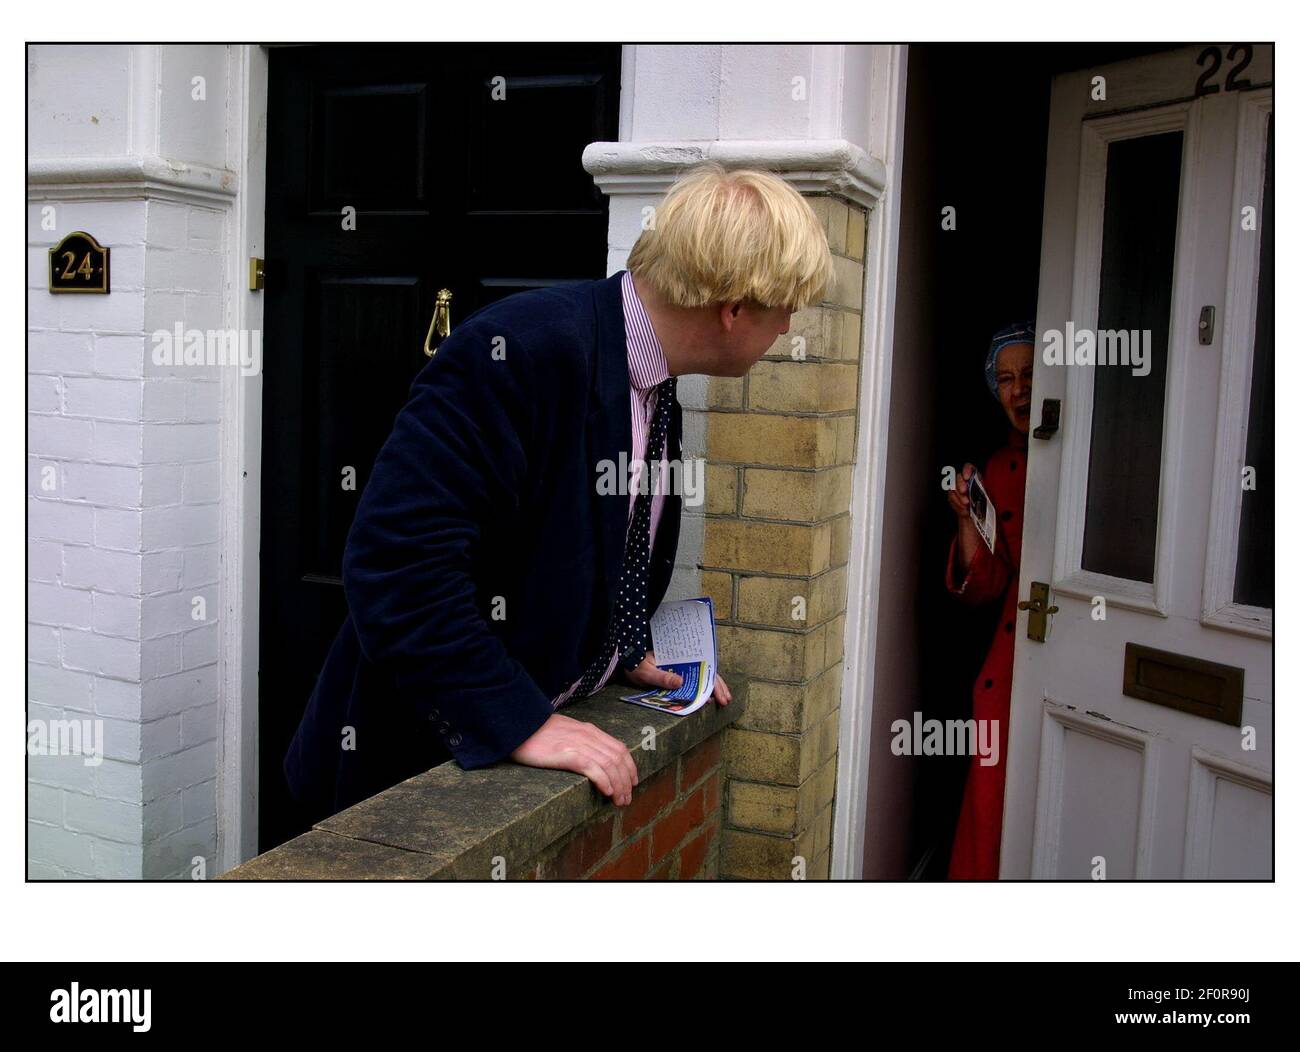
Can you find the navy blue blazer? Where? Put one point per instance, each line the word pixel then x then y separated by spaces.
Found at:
pixel 480 569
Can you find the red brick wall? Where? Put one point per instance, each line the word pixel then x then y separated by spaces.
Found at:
pixel 670 830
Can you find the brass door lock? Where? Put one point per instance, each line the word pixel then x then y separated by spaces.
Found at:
pixel 1039 594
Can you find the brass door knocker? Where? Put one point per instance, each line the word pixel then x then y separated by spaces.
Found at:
pixel 440 323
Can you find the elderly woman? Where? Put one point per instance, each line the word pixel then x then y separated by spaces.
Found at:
pixel 978 575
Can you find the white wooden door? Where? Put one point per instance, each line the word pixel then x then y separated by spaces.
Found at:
pixel 1134 508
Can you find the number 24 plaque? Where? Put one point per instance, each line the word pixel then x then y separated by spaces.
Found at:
pixel 79 263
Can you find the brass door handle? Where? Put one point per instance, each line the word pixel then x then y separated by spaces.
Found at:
pixel 440 323
pixel 1036 604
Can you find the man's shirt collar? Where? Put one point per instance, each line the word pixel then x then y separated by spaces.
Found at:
pixel 646 365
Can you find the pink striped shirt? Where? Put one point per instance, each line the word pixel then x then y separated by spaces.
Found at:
pixel 646 368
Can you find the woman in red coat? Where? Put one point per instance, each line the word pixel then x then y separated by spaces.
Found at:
pixel 977 576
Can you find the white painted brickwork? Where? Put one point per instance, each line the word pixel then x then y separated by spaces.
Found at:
pixel 122 545
pixel 124 513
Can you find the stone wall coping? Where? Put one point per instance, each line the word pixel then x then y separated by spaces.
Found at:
pixel 449 824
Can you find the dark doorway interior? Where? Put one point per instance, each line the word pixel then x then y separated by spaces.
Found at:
pixel 463 166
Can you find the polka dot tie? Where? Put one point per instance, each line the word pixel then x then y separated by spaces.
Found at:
pixel 629 625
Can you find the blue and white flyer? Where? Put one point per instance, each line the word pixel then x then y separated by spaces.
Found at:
pixel 686 642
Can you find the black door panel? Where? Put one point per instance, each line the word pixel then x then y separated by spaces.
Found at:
pixel 450 187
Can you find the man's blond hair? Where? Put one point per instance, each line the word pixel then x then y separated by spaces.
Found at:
pixel 721 236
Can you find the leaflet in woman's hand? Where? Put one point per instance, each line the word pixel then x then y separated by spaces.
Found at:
pixel 982 510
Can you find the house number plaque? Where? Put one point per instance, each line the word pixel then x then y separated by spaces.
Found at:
pixel 79 263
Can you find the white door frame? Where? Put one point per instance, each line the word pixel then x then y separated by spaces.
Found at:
pixel 241 478
pixel 1218 607
pixel 857 698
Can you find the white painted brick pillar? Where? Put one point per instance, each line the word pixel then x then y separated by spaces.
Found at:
pixel 826 118
pixel 124 481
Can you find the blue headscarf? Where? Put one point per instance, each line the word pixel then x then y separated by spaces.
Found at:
pixel 1020 332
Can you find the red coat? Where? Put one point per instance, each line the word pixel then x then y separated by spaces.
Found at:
pixel 991 577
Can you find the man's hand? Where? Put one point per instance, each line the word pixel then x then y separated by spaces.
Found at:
pixel 650 676
pixel 566 744
pixel 721 692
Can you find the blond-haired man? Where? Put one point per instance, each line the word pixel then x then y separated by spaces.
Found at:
pixel 490 580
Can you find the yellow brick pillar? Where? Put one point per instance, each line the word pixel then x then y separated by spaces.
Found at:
pixel 780 447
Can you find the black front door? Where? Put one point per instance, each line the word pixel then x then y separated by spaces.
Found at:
pixel 393 171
